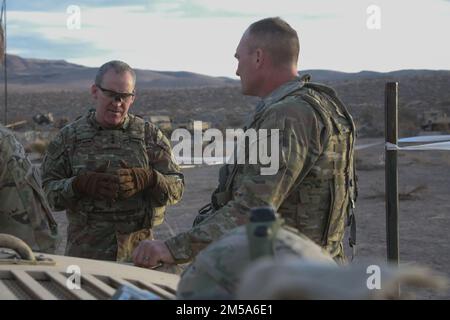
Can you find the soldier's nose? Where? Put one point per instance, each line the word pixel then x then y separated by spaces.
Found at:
pixel 117 103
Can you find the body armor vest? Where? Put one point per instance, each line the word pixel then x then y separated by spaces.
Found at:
pixel 329 187
pixel 93 147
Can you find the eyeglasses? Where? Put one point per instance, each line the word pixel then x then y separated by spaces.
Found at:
pixel 117 96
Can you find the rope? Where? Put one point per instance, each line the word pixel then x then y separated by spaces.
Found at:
pixel 441 142
pixel 423 139
pixel 443 146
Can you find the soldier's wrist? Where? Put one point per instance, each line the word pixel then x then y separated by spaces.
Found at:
pixel 179 248
pixel 153 179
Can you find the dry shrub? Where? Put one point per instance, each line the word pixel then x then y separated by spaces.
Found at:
pixel 369 165
pixel 38 146
pixel 421 158
pixel 413 194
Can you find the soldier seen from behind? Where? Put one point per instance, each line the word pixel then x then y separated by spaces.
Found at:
pixel 24 211
pixel 314 188
pixel 112 171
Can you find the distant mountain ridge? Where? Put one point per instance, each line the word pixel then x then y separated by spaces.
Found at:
pixel 40 74
pixel 332 76
pixel 51 75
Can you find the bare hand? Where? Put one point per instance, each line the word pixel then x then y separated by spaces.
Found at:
pixel 151 253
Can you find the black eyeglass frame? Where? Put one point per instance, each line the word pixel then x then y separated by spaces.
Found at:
pixel 117 96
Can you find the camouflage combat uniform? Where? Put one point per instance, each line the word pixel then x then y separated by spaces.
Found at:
pixel 314 188
pixel 101 229
pixel 216 271
pixel 24 211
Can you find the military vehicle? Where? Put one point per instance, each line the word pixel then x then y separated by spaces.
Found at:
pixel 43 119
pixel 189 125
pixel 434 120
pixel 25 275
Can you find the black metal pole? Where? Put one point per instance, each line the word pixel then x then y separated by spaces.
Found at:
pixel 391 180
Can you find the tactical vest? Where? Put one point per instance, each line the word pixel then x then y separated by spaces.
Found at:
pixel 92 148
pixel 329 187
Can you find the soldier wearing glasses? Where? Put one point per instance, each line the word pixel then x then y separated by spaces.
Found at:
pixel 112 171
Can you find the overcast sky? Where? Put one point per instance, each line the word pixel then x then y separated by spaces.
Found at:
pixel 201 35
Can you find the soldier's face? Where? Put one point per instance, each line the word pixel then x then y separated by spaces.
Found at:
pixel 247 66
pixel 111 112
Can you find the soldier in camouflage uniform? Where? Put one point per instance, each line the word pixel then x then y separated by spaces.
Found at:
pixel 24 211
pixel 112 171
pixel 266 260
pixel 314 188
pixel 213 275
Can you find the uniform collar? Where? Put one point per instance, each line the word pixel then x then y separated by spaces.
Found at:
pixel 125 124
pixel 277 95
pixel 283 91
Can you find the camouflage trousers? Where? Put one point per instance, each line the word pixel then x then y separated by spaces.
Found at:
pixel 94 237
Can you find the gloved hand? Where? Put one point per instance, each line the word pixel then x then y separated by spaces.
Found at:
pixel 133 180
pixel 97 184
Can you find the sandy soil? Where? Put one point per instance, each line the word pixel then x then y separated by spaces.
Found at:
pixel 424 184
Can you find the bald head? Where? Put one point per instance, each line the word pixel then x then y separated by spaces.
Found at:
pixel 277 38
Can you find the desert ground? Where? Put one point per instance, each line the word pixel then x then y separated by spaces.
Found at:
pixel 424 184
pixel 424 177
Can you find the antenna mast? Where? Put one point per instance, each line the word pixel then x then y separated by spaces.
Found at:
pixel 3 23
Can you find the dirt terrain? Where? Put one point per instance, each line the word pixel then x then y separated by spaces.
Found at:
pixel 424 183
pixel 424 177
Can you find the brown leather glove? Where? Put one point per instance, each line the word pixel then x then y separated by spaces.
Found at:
pixel 97 184
pixel 133 180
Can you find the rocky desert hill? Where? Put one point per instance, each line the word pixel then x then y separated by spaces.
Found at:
pixel 41 86
pixel 56 75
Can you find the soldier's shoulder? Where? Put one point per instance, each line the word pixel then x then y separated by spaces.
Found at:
pixel 70 128
pixel 141 123
pixel 4 132
pixel 7 137
pixel 66 134
pixel 136 118
pixel 291 107
pixel 10 146
pixel 152 131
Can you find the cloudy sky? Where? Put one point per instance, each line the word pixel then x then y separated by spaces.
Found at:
pixel 201 35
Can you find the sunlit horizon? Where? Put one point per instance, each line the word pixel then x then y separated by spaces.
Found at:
pixel 201 36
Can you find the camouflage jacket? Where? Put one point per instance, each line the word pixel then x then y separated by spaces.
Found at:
pixel 24 211
pixel 84 146
pixel 314 187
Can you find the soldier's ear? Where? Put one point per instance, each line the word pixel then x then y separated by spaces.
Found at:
pixel 259 57
pixel 94 91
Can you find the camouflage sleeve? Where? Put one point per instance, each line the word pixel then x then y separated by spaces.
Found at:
pixel 169 185
pixel 24 211
pixel 299 141
pixel 57 175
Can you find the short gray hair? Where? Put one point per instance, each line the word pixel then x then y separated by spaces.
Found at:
pixel 277 37
pixel 119 67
